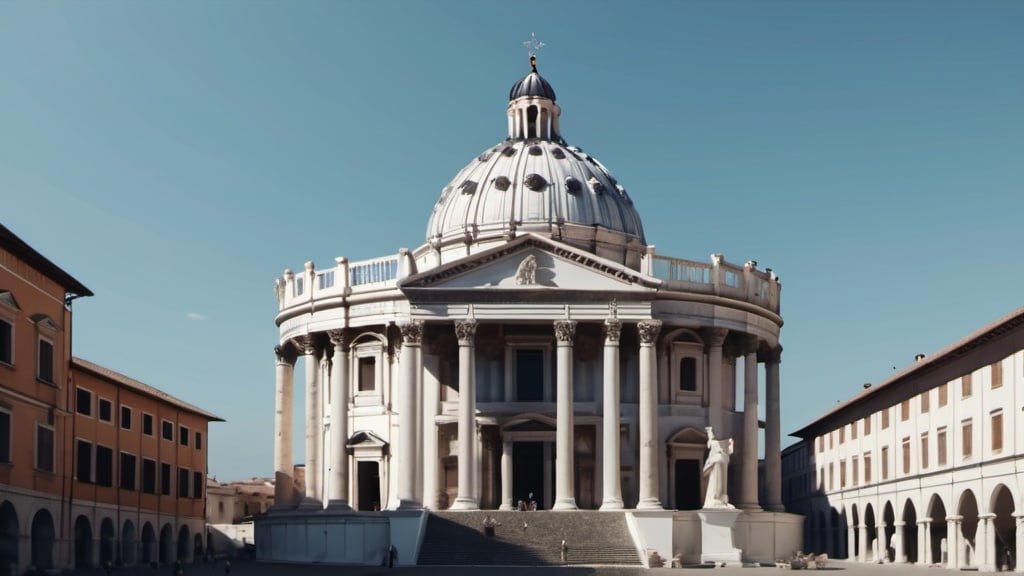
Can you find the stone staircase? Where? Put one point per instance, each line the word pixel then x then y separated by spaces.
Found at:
pixel 528 539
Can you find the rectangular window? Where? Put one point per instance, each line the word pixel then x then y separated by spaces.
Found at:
pixel 867 425
pixel 925 401
pixel 44 448
pixel 924 451
pixel 842 474
pixel 967 438
pixel 821 443
pixel 885 418
pixel 832 440
pixel 165 479
pixel 106 410
pixel 197 485
pixel 46 361
pixel 147 424
pixel 940 445
pixel 904 410
pixel 83 402
pixel 104 466
pixel 149 476
pixel 831 476
pixel 885 462
pixel 83 461
pixel 168 430
pixel 127 471
pixel 965 386
pixel 842 435
pixel 997 375
pixel 943 395
pixel 183 434
pixel 5 436
pixel 906 455
pixel 183 480
pixel 126 418
pixel 867 468
pixel 199 440
pixel 6 342
pixel 997 431
pixel 855 472
pixel 853 429
pixel 367 374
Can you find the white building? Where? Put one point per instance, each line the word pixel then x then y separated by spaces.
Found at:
pixel 535 343
pixel 927 466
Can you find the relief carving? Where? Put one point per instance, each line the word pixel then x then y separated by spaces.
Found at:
pixel 526 274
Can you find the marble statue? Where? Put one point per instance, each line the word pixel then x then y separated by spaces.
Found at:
pixel 716 469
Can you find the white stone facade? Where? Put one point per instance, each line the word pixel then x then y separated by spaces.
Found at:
pixel 924 467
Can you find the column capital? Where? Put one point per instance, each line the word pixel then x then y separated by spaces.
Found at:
pixel 924 521
pixel 750 344
pixel 715 337
pixel 954 518
pixel 286 353
pixel 612 330
pixel 565 331
pixel 648 330
pixel 899 523
pixel 465 331
pixel 773 355
pixel 308 344
pixel 339 338
pixel 986 516
pixel 412 331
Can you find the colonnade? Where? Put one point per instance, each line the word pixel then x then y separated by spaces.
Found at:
pixel 415 412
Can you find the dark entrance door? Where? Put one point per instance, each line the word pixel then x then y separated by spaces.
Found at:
pixel 529 376
pixel 688 484
pixel 369 486
pixel 528 471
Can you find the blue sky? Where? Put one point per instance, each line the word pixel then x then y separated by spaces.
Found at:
pixel 177 156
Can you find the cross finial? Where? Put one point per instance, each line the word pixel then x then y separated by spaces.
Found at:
pixel 532 46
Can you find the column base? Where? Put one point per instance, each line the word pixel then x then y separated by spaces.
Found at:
pixel 409 505
pixel 338 505
pixel 649 504
pixel 612 504
pixel 465 504
pixel 775 508
pixel 507 507
pixel 565 504
pixel 308 503
pixel 754 507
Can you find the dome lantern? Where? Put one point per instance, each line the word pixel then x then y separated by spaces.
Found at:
pixel 532 112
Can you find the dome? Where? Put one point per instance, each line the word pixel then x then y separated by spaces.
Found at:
pixel 533 84
pixel 535 182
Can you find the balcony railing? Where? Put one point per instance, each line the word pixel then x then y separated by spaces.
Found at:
pixel 718 277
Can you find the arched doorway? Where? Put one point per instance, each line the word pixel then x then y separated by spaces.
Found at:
pixel 43 536
pixel 128 543
pixel 197 546
pixel 686 450
pixel 83 543
pixel 889 518
pixel 821 533
pixel 909 531
pixel 871 533
pixel 8 535
pixel 855 553
pixel 166 544
pixel 835 547
pixel 184 543
pixel 148 544
pixel 107 535
pixel 937 531
pixel 1003 528
pixel 968 508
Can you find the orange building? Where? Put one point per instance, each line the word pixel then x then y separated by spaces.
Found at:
pixel 95 467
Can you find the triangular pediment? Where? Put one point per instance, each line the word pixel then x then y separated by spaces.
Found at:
pixel 7 299
pixel 533 263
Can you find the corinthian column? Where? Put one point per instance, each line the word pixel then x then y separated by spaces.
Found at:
pixel 715 337
pixel 284 465
pixel 310 348
pixel 412 367
pixel 612 478
pixel 648 415
pixel 466 498
pixel 338 489
pixel 772 434
pixel 565 488
pixel 748 492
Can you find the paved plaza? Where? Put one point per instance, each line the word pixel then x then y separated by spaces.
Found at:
pixel 250 568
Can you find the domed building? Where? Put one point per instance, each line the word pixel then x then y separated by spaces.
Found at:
pixel 534 352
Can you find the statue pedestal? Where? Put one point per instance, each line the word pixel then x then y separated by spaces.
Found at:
pixel 716 536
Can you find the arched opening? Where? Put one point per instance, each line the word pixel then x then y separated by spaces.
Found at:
pixel 821 533
pixel 968 508
pixel 889 518
pixel 8 535
pixel 531 122
pixel 43 536
pixel 128 543
pixel 148 543
pixel 937 531
pixel 197 546
pixel 855 553
pixel 83 542
pixel 1003 528
pixel 835 546
pixel 871 533
pixel 166 544
pixel 686 450
pixel 910 531
pixel 184 542
pixel 107 534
